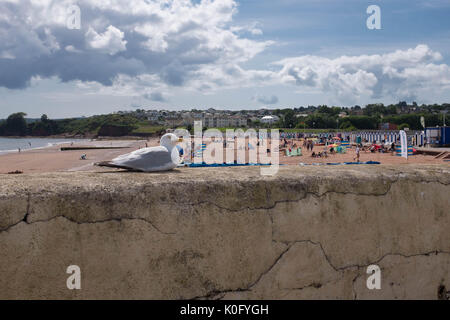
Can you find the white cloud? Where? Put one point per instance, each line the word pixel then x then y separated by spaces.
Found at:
pixel 50 40
pixel 5 54
pixel 111 41
pixel 72 49
pixel 155 96
pixel 175 42
pixel 253 29
pixel 145 47
pixel 265 99
pixel 401 74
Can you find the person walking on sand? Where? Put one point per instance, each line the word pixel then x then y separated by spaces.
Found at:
pixel 357 154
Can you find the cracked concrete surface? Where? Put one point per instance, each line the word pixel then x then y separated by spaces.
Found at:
pixel 228 233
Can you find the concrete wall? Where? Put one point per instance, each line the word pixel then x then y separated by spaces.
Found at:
pixel 227 233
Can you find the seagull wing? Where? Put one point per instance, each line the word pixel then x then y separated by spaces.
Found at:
pixel 147 159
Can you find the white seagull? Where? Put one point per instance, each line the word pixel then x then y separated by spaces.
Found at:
pixel 162 158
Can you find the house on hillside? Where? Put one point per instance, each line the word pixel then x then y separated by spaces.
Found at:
pixel 270 119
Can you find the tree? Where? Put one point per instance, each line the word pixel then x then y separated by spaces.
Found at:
pixel 403 126
pixel 391 109
pixel 45 127
pixel 16 124
pixel 323 109
pixel 374 109
pixel 256 123
pixel 360 122
pixel 44 118
pixel 345 124
pixel 289 119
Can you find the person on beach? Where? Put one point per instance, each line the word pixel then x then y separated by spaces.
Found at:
pixel 357 154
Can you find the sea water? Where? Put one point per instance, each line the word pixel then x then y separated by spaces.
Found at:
pixel 13 144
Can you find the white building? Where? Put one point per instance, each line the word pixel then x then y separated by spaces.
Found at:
pixel 270 119
pixel 221 121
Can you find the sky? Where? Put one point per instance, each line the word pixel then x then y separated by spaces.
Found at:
pixel 224 54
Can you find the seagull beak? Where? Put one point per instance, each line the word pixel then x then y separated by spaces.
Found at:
pixel 180 139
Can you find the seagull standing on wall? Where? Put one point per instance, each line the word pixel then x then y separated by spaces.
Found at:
pixel 162 158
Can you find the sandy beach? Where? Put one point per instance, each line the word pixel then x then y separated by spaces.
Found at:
pixel 383 158
pixel 52 159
